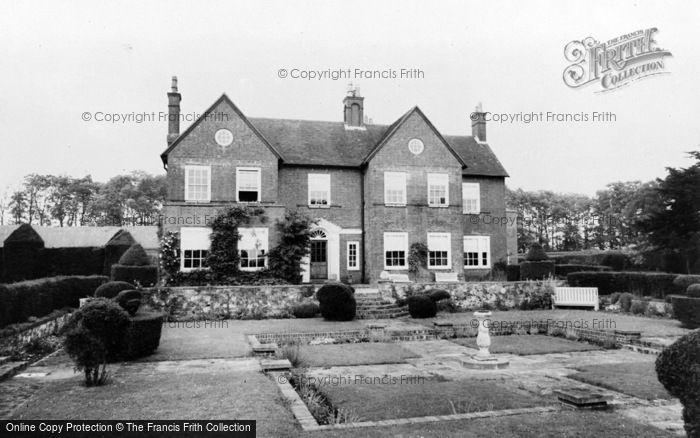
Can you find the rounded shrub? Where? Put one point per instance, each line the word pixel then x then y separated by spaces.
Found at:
pixel 678 370
pixel 305 310
pixel 337 302
pixel 536 253
pixel 639 307
pixel 129 300
pixel 615 297
pixel 438 295
pixel 94 335
pixel 112 288
pixel 681 282
pixel 693 291
pixel 447 306
pixel 625 301
pixel 421 306
pixel 135 256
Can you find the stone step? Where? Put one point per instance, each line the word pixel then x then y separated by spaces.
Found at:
pixel 4 359
pixel 382 315
pixel 376 306
pixel 9 369
pixel 366 291
pixel 275 365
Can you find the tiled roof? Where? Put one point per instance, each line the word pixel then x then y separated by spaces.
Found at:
pixel 307 142
pixel 479 157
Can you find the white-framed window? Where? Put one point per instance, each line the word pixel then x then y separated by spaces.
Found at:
pixel 353 256
pixel 471 198
pixel 252 248
pixel 319 189
pixel 194 247
pixel 395 251
pixel 198 183
pixel 438 190
pixel 395 188
pixel 477 252
pixel 248 184
pixel 439 251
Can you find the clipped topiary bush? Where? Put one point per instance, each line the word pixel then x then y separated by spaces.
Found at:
pixel 142 335
pixel 421 306
pixel 337 302
pixel 678 370
pixel 112 288
pixel 135 267
pixel 681 282
pixel 536 253
pixel 305 310
pixel 686 310
pixel 438 295
pixel 693 291
pixel 129 300
pixel 135 256
pixel 615 297
pixel 564 270
pixel 654 284
pixel 143 275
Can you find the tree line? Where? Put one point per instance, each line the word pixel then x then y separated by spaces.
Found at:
pixel 125 200
pixel 657 220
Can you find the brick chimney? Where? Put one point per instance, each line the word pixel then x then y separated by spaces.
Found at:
pixel 478 118
pixel 353 108
pixel 174 99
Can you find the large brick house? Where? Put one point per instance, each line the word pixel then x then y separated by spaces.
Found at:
pixel 375 189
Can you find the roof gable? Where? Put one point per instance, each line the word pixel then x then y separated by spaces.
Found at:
pixel 394 127
pixel 223 99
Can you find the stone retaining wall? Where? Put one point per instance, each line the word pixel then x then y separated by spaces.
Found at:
pixel 24 337
pixel 227 302
pixel 474 295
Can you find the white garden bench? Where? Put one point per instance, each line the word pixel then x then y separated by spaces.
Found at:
pixel 576 296
pixel 446 277
pixel 399 278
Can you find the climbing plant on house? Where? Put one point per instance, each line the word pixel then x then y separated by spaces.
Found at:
pixel 294 244
pixel 223 259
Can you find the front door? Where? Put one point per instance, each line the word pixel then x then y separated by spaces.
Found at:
pixel 319 259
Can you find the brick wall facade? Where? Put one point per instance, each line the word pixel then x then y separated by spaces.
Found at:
pixel 285 187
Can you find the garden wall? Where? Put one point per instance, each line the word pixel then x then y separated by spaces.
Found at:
pixel 227 302
pixel 475 295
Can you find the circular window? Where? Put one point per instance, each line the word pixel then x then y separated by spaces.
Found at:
pixel 223 137
pixel 415 146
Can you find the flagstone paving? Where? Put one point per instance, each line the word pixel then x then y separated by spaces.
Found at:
pixel 231 359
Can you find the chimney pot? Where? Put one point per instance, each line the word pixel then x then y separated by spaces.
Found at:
pixel 478 119
pixel 174 99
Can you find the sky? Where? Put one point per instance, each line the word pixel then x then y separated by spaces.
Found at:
pixel 63 60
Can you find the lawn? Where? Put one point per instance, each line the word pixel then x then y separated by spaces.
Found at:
pixel 529 344
pixel 637 379
pixel 411 396
pixel 354 354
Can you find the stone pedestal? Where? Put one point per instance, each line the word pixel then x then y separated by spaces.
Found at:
pixel 483 359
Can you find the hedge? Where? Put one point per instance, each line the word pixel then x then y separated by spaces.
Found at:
pixel 72 261
pixel 536 270
pixel 564 270
pixel 513 272
pixel 653 284
pixel 144 275
pixel 19 301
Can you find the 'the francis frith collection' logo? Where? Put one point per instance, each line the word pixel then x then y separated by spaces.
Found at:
pixel 614 63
